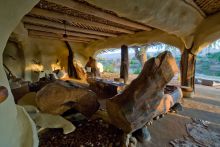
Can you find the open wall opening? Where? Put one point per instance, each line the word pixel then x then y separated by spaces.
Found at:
pixel 110 59
pixel 208 62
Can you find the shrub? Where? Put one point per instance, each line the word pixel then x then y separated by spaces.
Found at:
pixel 137 71
pixel 109 68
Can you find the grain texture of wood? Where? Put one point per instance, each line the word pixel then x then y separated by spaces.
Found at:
pixel 138 103
pixel 105 88
pixel 124 63
pixel 58 97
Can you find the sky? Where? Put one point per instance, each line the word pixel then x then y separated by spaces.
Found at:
pixel 215 47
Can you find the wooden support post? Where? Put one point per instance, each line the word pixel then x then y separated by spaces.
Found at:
pixel 124 63
pixel 188 61
pixel 71 69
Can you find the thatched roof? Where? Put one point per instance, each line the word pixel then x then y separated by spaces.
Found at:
pixel 51 15
pixel 87 21
pixel 209 7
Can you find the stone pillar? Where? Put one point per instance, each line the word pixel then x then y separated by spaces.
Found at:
pixel 187 66
pixel 124 63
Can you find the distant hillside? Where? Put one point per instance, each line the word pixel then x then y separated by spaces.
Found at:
pixel 117 55
pixel 113 56
pixel 208 65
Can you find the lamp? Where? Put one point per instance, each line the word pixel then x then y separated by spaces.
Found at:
pixel 64 35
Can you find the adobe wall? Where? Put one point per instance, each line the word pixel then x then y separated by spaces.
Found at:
pixel 44 51
pixel 16 127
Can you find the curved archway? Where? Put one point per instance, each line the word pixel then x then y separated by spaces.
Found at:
pixel 206 33
pixel 137 39
pixel 111 59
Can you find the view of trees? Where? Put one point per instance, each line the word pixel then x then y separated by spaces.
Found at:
pixel 208 60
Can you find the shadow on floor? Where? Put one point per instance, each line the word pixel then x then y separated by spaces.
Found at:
pixel 205 101
pixel 201 114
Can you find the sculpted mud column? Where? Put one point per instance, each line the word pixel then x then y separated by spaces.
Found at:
pixel 188 61
pixel 124 63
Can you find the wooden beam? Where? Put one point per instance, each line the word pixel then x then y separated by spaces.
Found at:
pixel 98 13
pixel 56 15
pixel 57 38
pixel 33 20
pixel 124 63
pixel 59 31
pixel 47 34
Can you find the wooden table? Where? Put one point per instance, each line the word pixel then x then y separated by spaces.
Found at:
pixel 105 88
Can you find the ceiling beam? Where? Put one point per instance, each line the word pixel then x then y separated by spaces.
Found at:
pixel 47 34
pixel 60 31
pixel 57 38
pixel 69 18
pixel 58 25
pixel 98 13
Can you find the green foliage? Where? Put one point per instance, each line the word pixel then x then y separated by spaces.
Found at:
pixel 137 71
pixel 133 61
pixel 214 56
pixel 109 68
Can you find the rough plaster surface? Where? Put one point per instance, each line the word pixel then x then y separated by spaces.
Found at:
pixel 173 16
pixel 45 51
pixel 14 56
pixel 15 126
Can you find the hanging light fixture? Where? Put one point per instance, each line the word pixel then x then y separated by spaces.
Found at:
pixel 64 35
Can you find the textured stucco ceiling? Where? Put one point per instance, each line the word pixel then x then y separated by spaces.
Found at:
pixel 173 16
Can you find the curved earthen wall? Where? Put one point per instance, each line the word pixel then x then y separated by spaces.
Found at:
pixel 16 127
pixel 46 52
pixel 13 55
pixel 207 32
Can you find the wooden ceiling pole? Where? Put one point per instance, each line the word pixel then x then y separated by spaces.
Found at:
pixel 45 22
pixel 41 33
pixel 56 15
pixel 57 38
pixel 59 31
pixel 98 13
pixel 47 34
